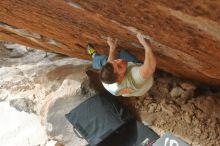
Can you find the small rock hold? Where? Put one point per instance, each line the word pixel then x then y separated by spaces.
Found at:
pixel 23 104
pixel 152 107
pixel 150 120
pixel 187 94
pixel 190 108
pixel 188 86
pixel 170 109
pixel 146 102
pixel 163 90
pixel 195 121
pixel 187 118
pixel 204 135
pixel 197 130
pixel 58 144
pixel 158 109
pixel 176 92
pixel 162 122
pixel 195 143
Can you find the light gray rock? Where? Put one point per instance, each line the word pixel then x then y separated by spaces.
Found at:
pixel 40 87
pixel 58 127
pixel 23 104
pixel 16 50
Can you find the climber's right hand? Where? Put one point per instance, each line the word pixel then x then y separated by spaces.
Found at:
pixel 112 43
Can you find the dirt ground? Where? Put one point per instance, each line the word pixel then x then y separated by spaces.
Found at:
pixel 189 110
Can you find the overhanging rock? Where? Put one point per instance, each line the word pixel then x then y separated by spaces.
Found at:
pixel 185 35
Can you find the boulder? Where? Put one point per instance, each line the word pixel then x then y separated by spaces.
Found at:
pixel 185 36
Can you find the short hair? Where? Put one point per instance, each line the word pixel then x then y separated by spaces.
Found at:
pixel 107 74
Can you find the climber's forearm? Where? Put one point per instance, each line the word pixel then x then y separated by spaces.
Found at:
pixel 149 65
pixel 112 51
pixel 112 54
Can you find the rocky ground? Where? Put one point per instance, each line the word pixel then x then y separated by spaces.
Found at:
pixel 42 86
pixel 189 110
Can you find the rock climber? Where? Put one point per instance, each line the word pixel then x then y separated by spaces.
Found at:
pixel 125 76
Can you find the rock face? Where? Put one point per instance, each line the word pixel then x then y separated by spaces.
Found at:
pixel 185 35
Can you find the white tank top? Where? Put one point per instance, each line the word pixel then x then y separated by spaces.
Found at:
pixel 133 81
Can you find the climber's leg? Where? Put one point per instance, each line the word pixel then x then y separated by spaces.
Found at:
pixel 90 50
pixel 99 61
pixel 127 56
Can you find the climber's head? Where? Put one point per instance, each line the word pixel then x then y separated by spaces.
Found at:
pixel 113 71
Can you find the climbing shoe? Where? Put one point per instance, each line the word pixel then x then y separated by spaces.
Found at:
pixel 90 50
